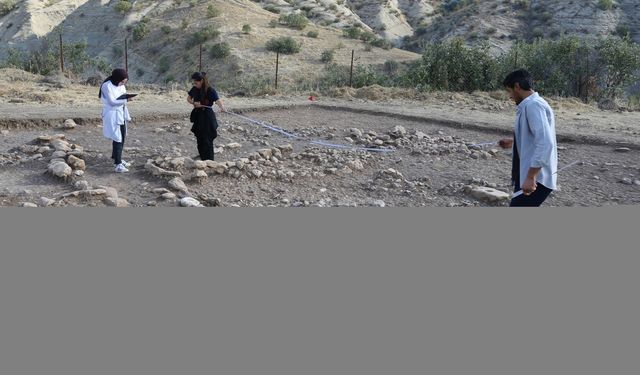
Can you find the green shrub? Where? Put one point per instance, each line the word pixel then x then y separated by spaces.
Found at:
pixel 284 45
pixel 327 56
pixel 123 6
pixel 166 29
pixel 312 34
pixel 212 11
pixel 220 50
pixel 7 6
pixel 294 21
pixel 246 29
pixel 199 37
pixel 605 4
pixel 141 29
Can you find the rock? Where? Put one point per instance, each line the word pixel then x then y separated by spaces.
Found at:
pixel 46 202
pixel 69 124
pixel 85 193
pixel 60 145
pixel 355 165
pixel 43 150
pixel 233 145
pixel 168 196
pixel 355 132
pixel 177 184
pixel 622 149
pixel 161 191
pixel 199 175
pixel 266 153
pixel 190 202
pixel 494 152
pixel 218 168
pixel 29 149
pixel 256 173
pixel 29 204
pixel 157 171
pixel 178 162
pixel 626 181
pixel 81 185
pixel 240 164
pixel 152 203
pixel 110 202
pixel 122 203
pixel 286 149
pixel 78 173
pixel 76 163
pixel 59 155
pixel 4 132
pixel 636 182
pixel 377 203
pixel 489 194
pixel 421 135
pixel 158 130
pixel 398 132
pixel 199 164
pixel 60 170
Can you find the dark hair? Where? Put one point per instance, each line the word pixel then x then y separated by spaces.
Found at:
pixel 521 77
pixel 117 76
pixel 204 90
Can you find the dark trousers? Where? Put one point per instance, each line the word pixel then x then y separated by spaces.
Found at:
pixel 534 200
pixel 205 146
pixel 116 154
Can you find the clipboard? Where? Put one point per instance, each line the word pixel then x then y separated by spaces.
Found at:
pixel 126 96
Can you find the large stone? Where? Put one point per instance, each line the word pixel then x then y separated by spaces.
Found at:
pixel 190 202
pixel 69 124
pixel 355 165
pixel 266 153
pixel 61 145
pixel 177 184
pixel 488 194
pixel 157 171
pixel 168 196
pixel 286 149
pixel 60 170
pixel 59 155
pixel 76 163
pixel 622 149
pixel 82 185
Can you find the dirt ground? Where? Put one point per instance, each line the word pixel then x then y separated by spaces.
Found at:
pixel 433 162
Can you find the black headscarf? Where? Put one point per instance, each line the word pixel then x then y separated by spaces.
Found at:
pixel 117 76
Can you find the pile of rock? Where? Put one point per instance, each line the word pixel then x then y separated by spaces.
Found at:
pixel 66 158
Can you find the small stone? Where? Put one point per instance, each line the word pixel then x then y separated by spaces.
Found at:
pixel 78 173
pixel 46 202
pixel 596 178
pixel 81 185
pixel 152 203
pixel 60 169
pixel 233 145
pixel 217 167
pixel 168 196
pixel 76 163
pixel 190 202
pixel 4 132
pixel 177 184
pixel 494 152
pixel 636 182
pixel 240 164
pixel 158 130
pixel 29 204
pixel 622 149
pixel 199 164
pixel 256 173
pixel 421 135
pixel 355 165
pixel 378 203
pixel 161 190
pixel 626 181
pixel 122 203
pixel 60 145
pixel 69 124
pixel 378 142
pixel 355 132
pixel 398 132
pixel 266 153
pixel 59 155
pixel 199 175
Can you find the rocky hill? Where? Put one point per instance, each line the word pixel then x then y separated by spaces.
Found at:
pixel 164 35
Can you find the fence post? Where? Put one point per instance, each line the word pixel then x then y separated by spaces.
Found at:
pixel 200 65
pixel 277 64
pixel 126 55
pixel 61 55
pixel 351 70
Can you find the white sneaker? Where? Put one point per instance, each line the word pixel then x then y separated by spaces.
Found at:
pixel 120 168
pixel 126 164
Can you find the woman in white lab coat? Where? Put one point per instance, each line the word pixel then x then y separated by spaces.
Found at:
pixel 115 115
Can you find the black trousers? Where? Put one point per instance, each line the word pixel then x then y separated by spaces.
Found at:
pixel 116 154
pixel 534 200
pixel 205 145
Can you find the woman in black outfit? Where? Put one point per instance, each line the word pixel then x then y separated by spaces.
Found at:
pixel 202 97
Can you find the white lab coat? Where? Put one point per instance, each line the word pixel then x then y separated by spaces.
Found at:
pixel 114 112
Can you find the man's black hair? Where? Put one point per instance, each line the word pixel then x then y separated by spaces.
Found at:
pixel 521 77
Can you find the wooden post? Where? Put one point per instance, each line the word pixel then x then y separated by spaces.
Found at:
pixel 200 64
pixel 61 55
pixel 351 70
pixel 277 64
pixel 126 55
